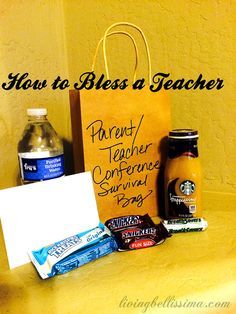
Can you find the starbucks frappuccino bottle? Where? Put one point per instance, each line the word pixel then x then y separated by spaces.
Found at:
pixel 183 175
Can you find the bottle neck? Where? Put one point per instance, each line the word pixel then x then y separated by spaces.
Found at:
pixel 40 118
pixel 180 147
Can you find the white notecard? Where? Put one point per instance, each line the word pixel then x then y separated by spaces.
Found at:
pixel 36 215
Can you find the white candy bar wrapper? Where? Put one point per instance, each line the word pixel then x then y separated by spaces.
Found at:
pixel 185 224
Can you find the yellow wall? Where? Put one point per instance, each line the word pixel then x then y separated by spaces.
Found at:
pixel 56 37
pixel 31 40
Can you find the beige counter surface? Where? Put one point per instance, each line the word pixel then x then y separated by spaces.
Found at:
pixel 194 271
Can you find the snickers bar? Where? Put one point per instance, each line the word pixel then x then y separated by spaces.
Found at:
pixel 136 232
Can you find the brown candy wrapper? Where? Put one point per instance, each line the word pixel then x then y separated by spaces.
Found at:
pixel 122 222
pixel 136 232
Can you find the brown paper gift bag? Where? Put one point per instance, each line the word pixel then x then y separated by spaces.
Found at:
pixel 117 136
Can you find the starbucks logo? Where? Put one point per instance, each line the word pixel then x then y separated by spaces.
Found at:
pixel 187 187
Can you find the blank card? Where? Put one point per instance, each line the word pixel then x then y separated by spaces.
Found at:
pixel 36 215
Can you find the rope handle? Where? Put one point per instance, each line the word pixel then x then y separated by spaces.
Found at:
pixel 145 42
pixel 105 58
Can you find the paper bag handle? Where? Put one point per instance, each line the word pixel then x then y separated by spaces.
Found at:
pixel 105 57
pixel 145 42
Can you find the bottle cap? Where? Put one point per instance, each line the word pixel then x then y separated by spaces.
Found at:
pixel 37 112
pixel 183 134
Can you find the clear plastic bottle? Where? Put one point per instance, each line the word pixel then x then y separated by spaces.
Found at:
pixel 40 150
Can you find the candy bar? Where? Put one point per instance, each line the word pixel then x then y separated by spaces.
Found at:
pixel 138 238
pixel 185 224
pixel 136 232
pixel 73 252
pixel 119 223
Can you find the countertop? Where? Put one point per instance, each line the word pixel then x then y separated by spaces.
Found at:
pixel 195 269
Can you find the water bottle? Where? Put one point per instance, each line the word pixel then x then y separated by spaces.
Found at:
pixel 40 150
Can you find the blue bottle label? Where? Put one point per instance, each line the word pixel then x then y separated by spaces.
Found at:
pixel 38 169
